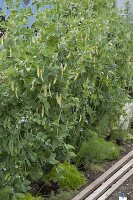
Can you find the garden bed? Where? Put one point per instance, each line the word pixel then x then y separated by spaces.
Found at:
pixel 92 175
pixel 127 147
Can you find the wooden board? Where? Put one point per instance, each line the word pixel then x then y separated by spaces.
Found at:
pixel 88 190
pixel 103 188
pixel 116 185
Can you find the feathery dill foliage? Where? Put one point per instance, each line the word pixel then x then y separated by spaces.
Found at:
pixel 68 177
pixel 96 150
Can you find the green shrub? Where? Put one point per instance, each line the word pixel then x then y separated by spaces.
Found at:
pixel 63 195
pixel 30 197
pixel 96 149
pixel 5 193
pixel 100 5
pixel 119 135
pixel 68 177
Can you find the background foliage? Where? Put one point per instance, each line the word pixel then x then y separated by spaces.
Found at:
pixel 61 79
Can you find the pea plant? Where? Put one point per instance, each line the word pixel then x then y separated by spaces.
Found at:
pixel 60 79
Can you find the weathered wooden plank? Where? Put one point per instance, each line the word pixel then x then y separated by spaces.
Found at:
pixel 103 188
pixel 116 185
pixel 87 191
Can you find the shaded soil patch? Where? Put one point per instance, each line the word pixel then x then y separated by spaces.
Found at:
pixel 44 189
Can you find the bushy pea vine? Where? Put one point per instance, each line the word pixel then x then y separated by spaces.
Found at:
pixel 60 79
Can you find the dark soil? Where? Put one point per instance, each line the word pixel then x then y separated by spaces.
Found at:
pixel 43 188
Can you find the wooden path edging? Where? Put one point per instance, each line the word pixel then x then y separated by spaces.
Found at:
pixel 94 185
pixel 103 188
pixel 116 185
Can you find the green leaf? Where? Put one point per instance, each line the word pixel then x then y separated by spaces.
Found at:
pixel 69 147
pixel 36 173
pixel 52 159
